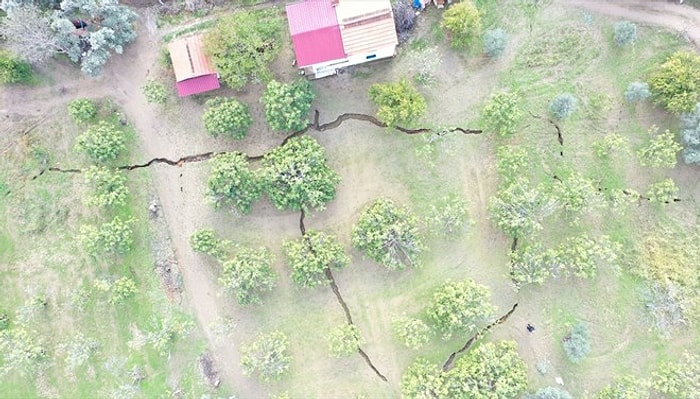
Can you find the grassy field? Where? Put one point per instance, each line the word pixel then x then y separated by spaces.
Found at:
pixel 149 346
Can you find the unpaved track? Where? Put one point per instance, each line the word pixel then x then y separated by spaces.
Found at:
pixel 679 18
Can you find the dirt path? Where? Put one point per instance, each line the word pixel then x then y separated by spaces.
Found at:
pixel 680 18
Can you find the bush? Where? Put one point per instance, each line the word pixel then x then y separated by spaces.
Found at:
pixel 115 236
pixel 82 110
pixel 267 356
pixel 675 84
pixel 242 44
pixel 102 142
pixel 344 340
pixel 108 186
pixel 399 103
pixel 549 393
pixel 576 343
pixel 664 191
pixel 669 306
pixel 680 378
pixel 14 70
pixel 625 33
pixel 122 289
pixel 625 388
pixel 155 92
pixel 248 274
pixel 231 182
pixel 228 117
pixel 287 105
pixel 448 216
pixel 690 136
pixel 501 114
pixel 459 307
pixel 423 379
pixel 388 234
pixel 495 42
pixel 661 150
pixel 205 241
pixel 413 333
pixel 313 254
pixel 563 106
pixel 636 92
pixel 462 23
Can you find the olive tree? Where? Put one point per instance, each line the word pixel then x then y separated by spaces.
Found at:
pixel 108 186
pixel 313 254
pixel 248 274
pixel 502 113
pixel 206 241
pixel 296 175
pixel 519 210
pixel 102 142
pixel 459 307
pixel 267 356
pixel 660 151
pixel 423 380
pixel 344 340
pixel 462 23
pixel 388 234
pixel 675 83
pixel 413 333
pixel 228 117
pixel 232 182
pixel 398 103
pixel 287 105
pixel 664 191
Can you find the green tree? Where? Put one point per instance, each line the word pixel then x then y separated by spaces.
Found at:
pixel 625 33
pixel 549 393
pixel 13 69
pixel 488 371
pixel 532 264
pixel 102 142
pixel 115 236
pixel 575 192
pixel 502 113
pixel 344 340
pixel 495 42
pixel 448 216
pixel 82 110
pixel 577 343
pixel 155 92
pixel 206 241
pixel 519 210
pixel 679 379
pixel 242 44
pixel 296 175
pixel 266 356
pixel 248 274
pixel 232 182
pixel 664 191
pixel 675 83
pixel 563 106
pixel 108 186
pixel 228 117
pixel 661 150
pixel 627 387
pixel 423 380
pixel 637 91
pixel 462 23
pixel 399 103
pixel 287 105
pixel 511 161
pixel 413 333
pixel 459 307
pixel 122 289
pixel 580 255
pixel 388 234
pixel 311 255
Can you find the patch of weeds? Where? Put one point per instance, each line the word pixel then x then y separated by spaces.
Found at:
pixel 193 28
pixel 558 47
pixel 155 92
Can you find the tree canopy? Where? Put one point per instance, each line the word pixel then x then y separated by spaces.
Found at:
pixel 232 182
pixel 675 83
pixel 287 105
pixel 248 274
pixel 462 22
pixel 344 340
pixel 459 307
pixel 311 255
pixel 399 103
pixel 296 175
pixel 228 117
pixel 267 356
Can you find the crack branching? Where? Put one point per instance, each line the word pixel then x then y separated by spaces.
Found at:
pixel 334 287
pixel 560 136
pixel 450 360
pixel 316 126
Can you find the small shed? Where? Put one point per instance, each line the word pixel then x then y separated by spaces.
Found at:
pixel 194 72
pixel 332 34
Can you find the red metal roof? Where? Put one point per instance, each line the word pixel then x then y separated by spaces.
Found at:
pixel 197 85
pixel 189 59
pixel 315 32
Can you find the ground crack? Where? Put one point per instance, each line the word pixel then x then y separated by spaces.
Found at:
pixel 334 287
pixel 316 126
pixel 450 360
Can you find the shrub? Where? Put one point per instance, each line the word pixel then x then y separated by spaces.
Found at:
pixel 205 241
pixel 115 236
pixel 413 333
pixel 231 182
pixel 664 191
pixel 101 142
pixel 448 216
pixel 155 92
pixel 228 117
pixel 669 306
pixel 518 210
pixel 495 42
pixel 287 105
pixel 313 254
pixel 344 340
pixel 462 23
pixel 563 106
pixel 248 274
pixel 502 113
pixel 625 388
pixel 123 288
pixel 108 186
pixel 549 393
pixel 680 378
pixel 399 103
pixel 82 110
pixel 267 356
pixel 675 84
pixel 388 234
pixel 576 343
pixel 610 143
pixel 636 92
pixel 625 33
pixel 423 379
pixel 459 307
pixel 661 150
pixel 14 70
pixel 690 136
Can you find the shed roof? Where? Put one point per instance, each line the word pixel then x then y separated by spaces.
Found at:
pixel 189 59
pixel 315 32
pixel 310 15
pixel 197 85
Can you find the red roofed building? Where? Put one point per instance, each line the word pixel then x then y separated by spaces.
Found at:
pixel 194 72
pixel 332 34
